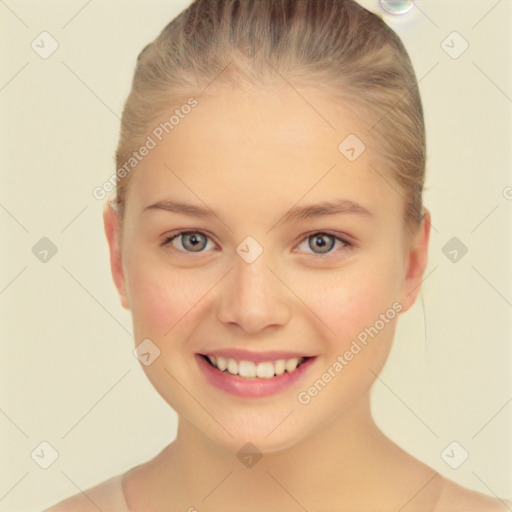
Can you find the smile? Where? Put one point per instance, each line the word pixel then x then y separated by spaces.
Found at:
pixel 252 370
pixel 264 375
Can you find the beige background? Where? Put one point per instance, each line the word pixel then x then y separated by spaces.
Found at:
pixel 67 370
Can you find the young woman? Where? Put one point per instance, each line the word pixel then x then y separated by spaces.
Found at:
pixel 268 231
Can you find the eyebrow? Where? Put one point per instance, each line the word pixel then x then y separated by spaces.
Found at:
pixel 324 208
pixel 297 213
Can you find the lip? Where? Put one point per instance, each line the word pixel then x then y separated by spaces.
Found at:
pixel 252 388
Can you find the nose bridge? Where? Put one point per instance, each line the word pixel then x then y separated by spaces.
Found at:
pixel 253 297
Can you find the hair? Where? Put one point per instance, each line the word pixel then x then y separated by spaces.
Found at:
pixel 335 46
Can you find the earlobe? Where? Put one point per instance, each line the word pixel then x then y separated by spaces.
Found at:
pixel 112 225
pixel 417 258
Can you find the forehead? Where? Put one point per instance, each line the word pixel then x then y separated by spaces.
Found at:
pixel 274 146
pixel 285 121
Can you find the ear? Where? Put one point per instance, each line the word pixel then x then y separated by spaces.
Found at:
pixel 416 262
pixel 112 224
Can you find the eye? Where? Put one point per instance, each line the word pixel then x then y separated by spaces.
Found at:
pixel 319 243
pixel 323 243
pixel 188 241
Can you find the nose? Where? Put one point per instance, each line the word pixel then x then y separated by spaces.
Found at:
pixel 253 298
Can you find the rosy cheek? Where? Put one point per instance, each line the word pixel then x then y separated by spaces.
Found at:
pixel 347 304
pixel 160 300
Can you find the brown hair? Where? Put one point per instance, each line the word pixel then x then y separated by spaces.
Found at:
pixel 334 45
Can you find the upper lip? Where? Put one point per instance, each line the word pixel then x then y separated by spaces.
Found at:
pixel 256 357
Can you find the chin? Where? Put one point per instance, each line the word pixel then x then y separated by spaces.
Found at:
pixel 259 440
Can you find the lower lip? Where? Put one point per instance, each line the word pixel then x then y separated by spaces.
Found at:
pixel 252 388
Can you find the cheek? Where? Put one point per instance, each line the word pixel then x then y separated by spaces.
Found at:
pixel 161 298
pixel 360 306
pixel 351 299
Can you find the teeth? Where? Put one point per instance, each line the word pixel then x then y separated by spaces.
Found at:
pixel 291 364
pixel 280 366
pixel 222 363
pixel 250 370
pixel 247 369
pixel 232 367
pixel 265 370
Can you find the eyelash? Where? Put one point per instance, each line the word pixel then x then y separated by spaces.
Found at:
pixel 346 245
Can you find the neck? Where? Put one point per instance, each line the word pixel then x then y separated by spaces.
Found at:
pixel 339 464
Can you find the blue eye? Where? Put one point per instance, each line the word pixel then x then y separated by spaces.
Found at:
pixel 190 241
pixel 324 242
pixel 197 242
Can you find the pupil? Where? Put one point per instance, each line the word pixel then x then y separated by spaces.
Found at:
pixel 320 243
pixel 194 241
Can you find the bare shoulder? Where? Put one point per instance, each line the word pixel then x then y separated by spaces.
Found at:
pixel 456 498
pixel 106 496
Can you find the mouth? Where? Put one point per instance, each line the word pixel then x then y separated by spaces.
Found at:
pixel 248 378
pixel 254 370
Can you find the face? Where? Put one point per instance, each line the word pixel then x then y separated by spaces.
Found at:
pixel 253 276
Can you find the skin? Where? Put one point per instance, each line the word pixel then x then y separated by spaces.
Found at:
pixel 250 157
